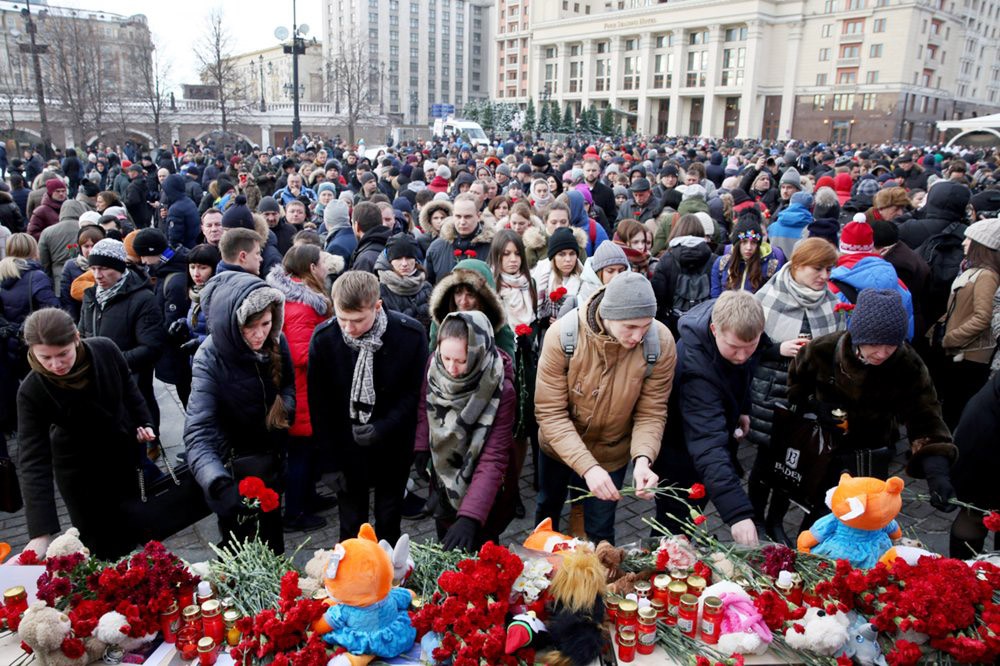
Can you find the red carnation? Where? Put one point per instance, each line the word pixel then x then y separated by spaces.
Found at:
pixel 522 329
pixel 251 487
pixel 992 521
pixel 269 500
pixel 471 254
pixel 28 557
pixel 73 647
pixel 697 491
pixel 457 253
pixel 904 653
pixel 558 294
pixel 843 307
pixel 699 519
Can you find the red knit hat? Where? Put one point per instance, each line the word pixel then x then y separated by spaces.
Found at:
pixel 825 181
pixel 857 237
pixel 54 184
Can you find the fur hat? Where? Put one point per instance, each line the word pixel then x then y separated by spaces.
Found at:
pixel 149 242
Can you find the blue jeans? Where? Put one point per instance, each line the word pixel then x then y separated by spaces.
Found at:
pixel 554 481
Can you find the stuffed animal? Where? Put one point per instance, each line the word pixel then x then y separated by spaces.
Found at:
pixel 4 551
pixel 368 616
pixel 67 543
pixel 821 632
pixel 862 524
pixel 576 623
pixel 742 630
pixel 862 643
pixel 44 629
pixel 313 580
pixel 547 540
pixel 402 563
pixel 112 628
pixel 525 631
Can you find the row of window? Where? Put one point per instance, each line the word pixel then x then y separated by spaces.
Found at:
pixel 844 102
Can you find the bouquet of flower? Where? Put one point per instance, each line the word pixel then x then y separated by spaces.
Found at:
pixel 470 612
pixel 282 635
pixel 557 295
pixel 258 496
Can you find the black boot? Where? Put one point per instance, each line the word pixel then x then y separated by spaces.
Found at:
pixel 774 524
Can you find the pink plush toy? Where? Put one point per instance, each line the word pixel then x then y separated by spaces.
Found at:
pixel 743 630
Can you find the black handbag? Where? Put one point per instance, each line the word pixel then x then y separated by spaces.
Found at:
pixel 166 506
pixel 10 489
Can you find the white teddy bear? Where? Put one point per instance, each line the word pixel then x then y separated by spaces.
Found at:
pixel 823 633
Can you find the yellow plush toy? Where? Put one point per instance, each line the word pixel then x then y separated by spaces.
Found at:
pixel 862 524
pixel 368 616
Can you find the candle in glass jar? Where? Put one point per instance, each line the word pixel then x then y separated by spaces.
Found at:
pixel 687 615
pixel 628 615
pixel 233 635
pixel 660 584
pixel 643 589
pixel 16 599
pixel 611 602
pixel 646 639
pixel 191 616
pixel 711 619
pixel 187 641
pixel 626 646
pixel 212 624
pixel 696 585
pixel 676 590
pixel 170 623
pixel 207 653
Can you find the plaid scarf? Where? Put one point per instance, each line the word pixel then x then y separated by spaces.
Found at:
pixel 786 302
pixel 104 296
pixel 363 382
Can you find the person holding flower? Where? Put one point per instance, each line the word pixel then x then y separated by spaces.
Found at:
pixel 600 405
pixel 242 401
pixel 561 275
pixel 80 416
pixel 466 422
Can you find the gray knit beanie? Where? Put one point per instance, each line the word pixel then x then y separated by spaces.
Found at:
pixel 109 253
pixel 608 254
pixel 791 177
pixel 878 318
pixel 628 296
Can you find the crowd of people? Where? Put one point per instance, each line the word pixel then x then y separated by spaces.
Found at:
pixel 336 325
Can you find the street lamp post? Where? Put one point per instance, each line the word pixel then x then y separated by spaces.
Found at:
pixel 263 105
pixel 35 51
pixel 381 76
pixel 296 48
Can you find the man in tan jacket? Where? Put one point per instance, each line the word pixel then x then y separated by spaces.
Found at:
pixel 601 402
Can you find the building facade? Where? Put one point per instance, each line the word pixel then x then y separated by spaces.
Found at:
pixel 267 73
pixel 831 70
pixel 421 52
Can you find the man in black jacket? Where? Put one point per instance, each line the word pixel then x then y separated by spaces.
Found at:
pixel 371 234
pixel 603 196
pixel 709 408
pixel 366 370
pixel 137 197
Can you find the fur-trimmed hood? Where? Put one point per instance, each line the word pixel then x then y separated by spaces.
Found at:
pixel 296 291
pixel 535 237
pixel 428 210
pixel 489 301
pixel 485 235
pixel 224 295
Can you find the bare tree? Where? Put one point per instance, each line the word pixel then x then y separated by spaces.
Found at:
pixel 218 68
pixel 154 74
pixel 355 84
pixel 12 83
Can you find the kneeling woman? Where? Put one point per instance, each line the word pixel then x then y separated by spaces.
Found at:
pixel 467 425
pixel 80 415
pixel 242 398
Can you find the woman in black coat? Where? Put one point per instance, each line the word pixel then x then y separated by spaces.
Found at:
pixel 80 416
pixel 403 286
pixel 242 401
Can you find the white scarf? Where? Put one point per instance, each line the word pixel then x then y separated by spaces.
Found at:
pixel 515 293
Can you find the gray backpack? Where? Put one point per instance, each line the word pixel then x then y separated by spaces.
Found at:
pixel 569 333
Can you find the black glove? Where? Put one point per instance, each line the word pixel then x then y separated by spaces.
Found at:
pixel 224 497
pixel 179 331
pixel 365 435
pixel 936 469
pixel 191 346
pixel 335 481
pixel 421 459
pixel 461 535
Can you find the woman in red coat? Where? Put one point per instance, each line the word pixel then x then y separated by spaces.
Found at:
pixel 301 277
pixel 467 426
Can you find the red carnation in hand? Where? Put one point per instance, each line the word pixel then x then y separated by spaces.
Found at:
pixel 457 253
pixel 992 521
pixel 269 500
pixel 522 329
pixel 251 487
pixel 28 557
pixel 558 294
pixel 471 254
pixel 697 491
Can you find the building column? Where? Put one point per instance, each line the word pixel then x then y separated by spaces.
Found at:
pixel 68 138
pixel 589 51
pixel 562 78
pixel 175 133
pixel 674 116
pixel 643 122
pixel 617 69
pixel 538 63
pixel 265 136
pixel 788 87
pixel 748 100
pixel 708 126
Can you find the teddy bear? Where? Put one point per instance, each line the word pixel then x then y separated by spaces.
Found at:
pixel 112 628
pixel 742 630
pixel 368 617
pixel 862 524
pixel 313 580
pixel 44 629
pixel 819 632
pixel 862 644
pixel 66 543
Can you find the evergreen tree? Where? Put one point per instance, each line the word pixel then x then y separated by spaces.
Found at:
pixel 545 121
pixel 529 117
pixel 608 122
pixel 471 111
pixel 487 116
pixel 568 124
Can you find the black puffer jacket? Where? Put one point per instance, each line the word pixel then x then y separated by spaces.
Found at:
pixel 693 260
pixel 946 203
pixel 173 302
pixel 231 389
pixel 974 473
pixel 769 385
pixel 131 319
pixel 10 213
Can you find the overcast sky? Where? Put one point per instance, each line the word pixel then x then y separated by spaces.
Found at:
pixel 177 24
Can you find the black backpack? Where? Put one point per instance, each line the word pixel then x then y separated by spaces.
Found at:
pixel 690 289
pixel 943 252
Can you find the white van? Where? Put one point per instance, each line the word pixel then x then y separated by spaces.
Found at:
pixel 470 131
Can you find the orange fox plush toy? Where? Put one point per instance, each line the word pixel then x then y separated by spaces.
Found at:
pixel 862 524
pixel 368 616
